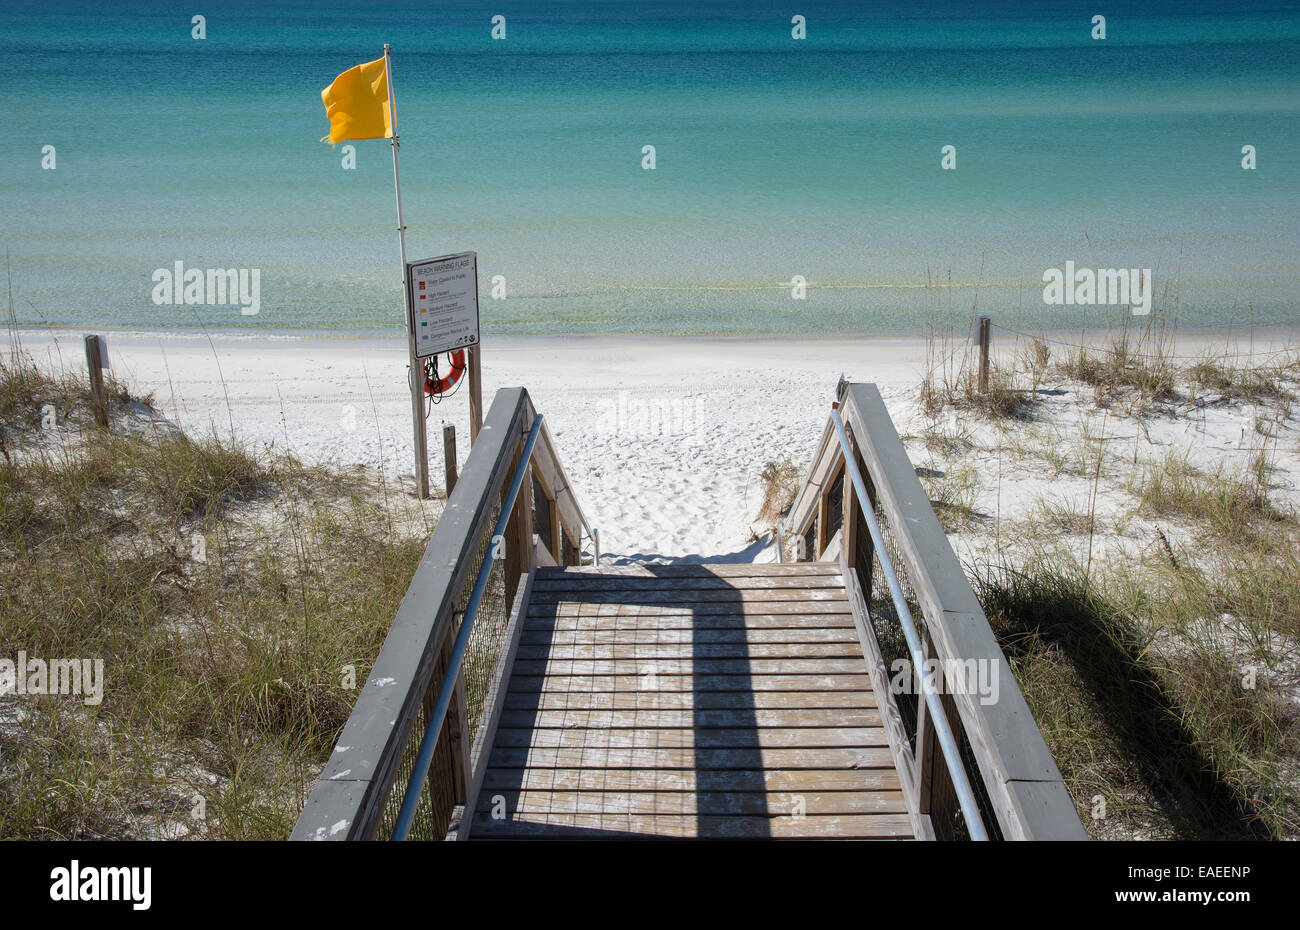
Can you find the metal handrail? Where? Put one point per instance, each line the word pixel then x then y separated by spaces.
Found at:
pixel 942 729
pixel 420 771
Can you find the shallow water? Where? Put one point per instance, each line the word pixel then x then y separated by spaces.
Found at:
pixel 774 158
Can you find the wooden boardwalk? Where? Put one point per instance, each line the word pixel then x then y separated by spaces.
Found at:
pixel 687 701
pixel 725 701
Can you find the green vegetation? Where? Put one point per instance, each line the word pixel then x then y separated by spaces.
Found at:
pixel 1159 660
pixel 237 599
pixel 1122 370
pixel 1159 687
pixel 1227 505
pixel 952 494
pixel 1002 401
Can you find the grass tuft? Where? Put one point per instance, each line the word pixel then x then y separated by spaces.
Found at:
pixel 780 486
pixel 1161 736
pixel 1228 505
pixel 237 600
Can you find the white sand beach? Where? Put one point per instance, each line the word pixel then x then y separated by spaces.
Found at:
pixel 664 439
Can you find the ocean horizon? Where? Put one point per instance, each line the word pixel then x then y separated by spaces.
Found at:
pixel 776 161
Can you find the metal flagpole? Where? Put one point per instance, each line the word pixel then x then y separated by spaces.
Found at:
pixel 417 369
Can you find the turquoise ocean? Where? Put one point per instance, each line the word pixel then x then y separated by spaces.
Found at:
pixel 774 158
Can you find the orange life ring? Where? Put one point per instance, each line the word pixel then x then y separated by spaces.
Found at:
pixel 444 384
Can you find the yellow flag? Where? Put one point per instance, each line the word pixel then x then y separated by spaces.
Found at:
pixel 357 104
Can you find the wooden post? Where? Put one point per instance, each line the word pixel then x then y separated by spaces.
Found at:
pixel 475 393
pixel 985 325
pixel 519 532
pixel 557 530
pixel 848 518
pixel 823 512
pixel 449 454
pixel 867 553
pixel 457 730
pixel 925 745
pixel 96 353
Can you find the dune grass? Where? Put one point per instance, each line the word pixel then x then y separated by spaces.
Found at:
pixel 1165 684
pixel 1160 688
pixel 1251 384
pixel 1144 374
pixel 1228 505
pixel 1163 680
pixel 952 494
pixel 780 486
pixel 1003 400
pixel 236 598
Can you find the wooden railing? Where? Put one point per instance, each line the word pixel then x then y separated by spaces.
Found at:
pixel 1016 781
pixel 362 786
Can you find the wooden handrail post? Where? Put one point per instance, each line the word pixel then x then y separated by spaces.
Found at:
pixel 848 519
pixel 985 325
pixel 557 529
pixel 925 744
pixel 519 533
pixel 823 510
pixel 96 358
pixel 457 728
pixel 449 455
pixel 475 393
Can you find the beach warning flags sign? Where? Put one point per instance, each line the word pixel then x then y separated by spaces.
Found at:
pixel 357 104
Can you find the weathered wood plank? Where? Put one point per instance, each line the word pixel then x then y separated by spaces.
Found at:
pixel 721 616
pixel 701 637
pixel 560 652
pixel 544 803
pixel 584 584
pixel 714 569
pixel 689 607
pixel 651 666
pixel 679 758
pixel 669 597
pixel 667 738
pixel 663 695
pixel 690 683
pixel 610 718
pixel 582 826
pixel 699 701
pixel 688 780
pixel 541 555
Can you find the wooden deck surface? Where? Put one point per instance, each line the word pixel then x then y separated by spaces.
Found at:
pixel 725 701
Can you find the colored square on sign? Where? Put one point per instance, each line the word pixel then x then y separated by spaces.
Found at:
pixel 424 322
pixel 421 286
